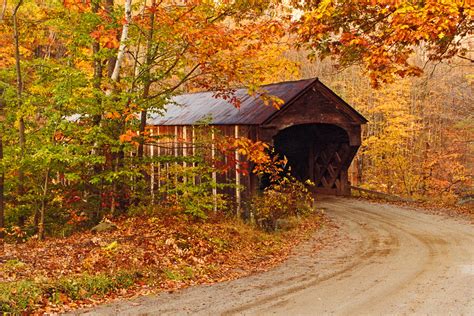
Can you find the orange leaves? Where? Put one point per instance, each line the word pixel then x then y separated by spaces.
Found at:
pixel 382 35
pixel 78 5
pixel 129 137
pixel 76 217
pixel 254 153
pixel 127 114
pixel 113 115
pixel 106 37
pixel 132 137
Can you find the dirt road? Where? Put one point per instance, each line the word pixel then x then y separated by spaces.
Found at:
pixel 384 260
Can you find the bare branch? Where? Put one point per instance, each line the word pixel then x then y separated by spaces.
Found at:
pixel 4 9
pixel 466 58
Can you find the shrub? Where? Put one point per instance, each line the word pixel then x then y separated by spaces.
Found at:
pixel 187 197
pixel 286 198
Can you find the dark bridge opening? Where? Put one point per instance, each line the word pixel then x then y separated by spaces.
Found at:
pixel 317 152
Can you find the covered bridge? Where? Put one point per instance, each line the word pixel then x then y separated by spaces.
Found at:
pixel 316 130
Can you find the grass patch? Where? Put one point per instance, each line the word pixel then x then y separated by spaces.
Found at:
pixel 21 296
pixel 183 274
pixel 18 296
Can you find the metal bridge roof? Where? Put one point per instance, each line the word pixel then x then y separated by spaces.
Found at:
pixel 189 109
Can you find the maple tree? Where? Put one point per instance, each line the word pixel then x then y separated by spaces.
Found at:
pixel 382 35
pixel 90 67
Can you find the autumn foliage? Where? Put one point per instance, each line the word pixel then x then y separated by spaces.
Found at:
pixel 78 80
pixel 142 256
pixel 383 35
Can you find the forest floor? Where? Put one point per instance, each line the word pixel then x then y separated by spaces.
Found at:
pixel 142 256
pixel 383 259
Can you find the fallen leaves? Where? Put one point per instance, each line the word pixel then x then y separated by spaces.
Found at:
pixel 166 253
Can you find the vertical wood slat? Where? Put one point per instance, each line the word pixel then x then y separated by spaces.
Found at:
pixel 249 133
pixel 214 174
pixel 185 150
pixel 167 150
pixel 237 173
pixel 175 151
pixel 152 170
pixel 193 148
pixel 228 131
pixel 175 141
pixel 158 142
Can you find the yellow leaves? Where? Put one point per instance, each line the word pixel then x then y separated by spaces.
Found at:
pixel 325 8
pixel 111 247
pixel 405 9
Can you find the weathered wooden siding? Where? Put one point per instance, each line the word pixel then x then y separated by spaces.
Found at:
pixel 306 103
pixel 186 141
pixel 328 164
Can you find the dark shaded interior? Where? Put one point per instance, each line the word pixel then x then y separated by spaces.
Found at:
pixel 313 151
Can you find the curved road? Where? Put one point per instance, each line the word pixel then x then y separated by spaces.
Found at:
pixel 383 260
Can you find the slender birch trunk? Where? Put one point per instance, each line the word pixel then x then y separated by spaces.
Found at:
pixel 123 41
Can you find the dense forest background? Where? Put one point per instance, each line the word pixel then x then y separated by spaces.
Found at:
pixel 418 142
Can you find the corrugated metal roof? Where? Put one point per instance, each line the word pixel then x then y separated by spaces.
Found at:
pixel 188 109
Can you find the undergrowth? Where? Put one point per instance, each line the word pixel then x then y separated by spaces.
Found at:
pixel 25 295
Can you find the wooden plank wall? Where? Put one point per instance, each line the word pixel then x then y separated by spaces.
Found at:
pixel 187 141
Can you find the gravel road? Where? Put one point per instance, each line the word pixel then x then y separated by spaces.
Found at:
pixel 383 260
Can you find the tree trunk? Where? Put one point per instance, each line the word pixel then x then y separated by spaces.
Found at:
pixel 142 127
pixel 97 117
pixel 123 41
pixel 97 64
pixel 4 9
pixel 109 8
pixel 146 83
pixel 114 73
pixel 2 175
pixel 43 206
pixel 19 81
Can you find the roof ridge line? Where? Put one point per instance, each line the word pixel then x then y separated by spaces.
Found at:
pixel 245 88
pixel 293 99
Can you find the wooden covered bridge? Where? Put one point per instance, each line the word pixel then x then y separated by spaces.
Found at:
pixel 316 130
